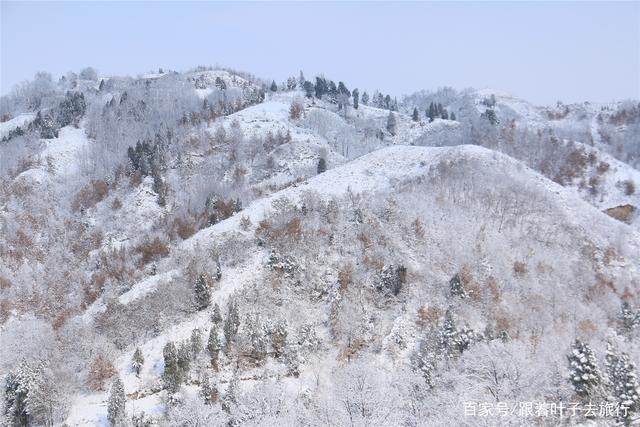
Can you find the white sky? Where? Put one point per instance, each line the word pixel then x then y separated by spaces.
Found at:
pixel 544 52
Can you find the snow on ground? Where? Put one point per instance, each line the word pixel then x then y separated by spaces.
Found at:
pixel 88 410
pixel 20 121
pixel 65 150
pixel 149 284
pixel 380 171
pixel 91 409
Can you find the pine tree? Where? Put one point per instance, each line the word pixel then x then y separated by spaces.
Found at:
pixel 391 123
pixel 365 98
pixel 387 102
pixel 137 361
pixel 171 375
pixel 16 391
pixel 116 413
pixel 220 84
pixel 623 381
pixel 585 376
pixel 332 92
pixel 196 343
pixel 216 315
pixel 452 116
pixel 431 112
pixel 322 165
pixel 291 83
pixel 279 338
pixel 491 116
pixel 274 86
pixel 628 320
pixel 209 391
pixel 447 336
pixel 456 288
pixel 229 400
pixel 213 346
pixel 320 87
pixel 415 116
pixel 231 324
pixel 445 114
pixel 202 292
pixel 309 89
pixel 425 363
pixel 301 80
pixel 184 359
pixel 356 98
pixel 101 86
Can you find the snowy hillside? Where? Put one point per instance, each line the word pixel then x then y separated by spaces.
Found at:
pixel 210 248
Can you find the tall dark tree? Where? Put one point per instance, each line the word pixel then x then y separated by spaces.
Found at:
pixel 309 89
pixel 332 92
pixel 322 165
pixel 274 86
pixel 342 89
pixel 202 292
pixel 356 98
pixel 137 361
pixel 216 314
pixel 321 87
pixel 171 376
pixel 415 116
pixel 365 98
pixel 213 346
pixel 231 323
pixel 391 123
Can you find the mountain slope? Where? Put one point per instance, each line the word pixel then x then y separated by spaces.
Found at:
pixel 440 188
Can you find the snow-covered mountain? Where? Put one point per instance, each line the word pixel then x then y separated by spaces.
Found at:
pixel 208 248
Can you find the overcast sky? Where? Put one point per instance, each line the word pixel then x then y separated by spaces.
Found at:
pixel 543 52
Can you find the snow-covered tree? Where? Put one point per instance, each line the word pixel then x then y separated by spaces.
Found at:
pixel 273 87
pixel 214 346
pixel 279 338
pixel 621 375
pixel 415 116
pixel 230 399
pixel 322 165
pixel 172 375
pixel 584 374
pixel 391 123
pixel 425 362
pixel 195 342
pixel 356 98
pixel 16 390
pixel 309 89
pixel 628 320
pixel 447 336
pixel 216 314
pixel 88 73
pixel 231 323
pixel 209 391
pixel 116 412
pixel 184 359
pixel 202 292
pixel 456 287
pixel 137 361
pixel 365 98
